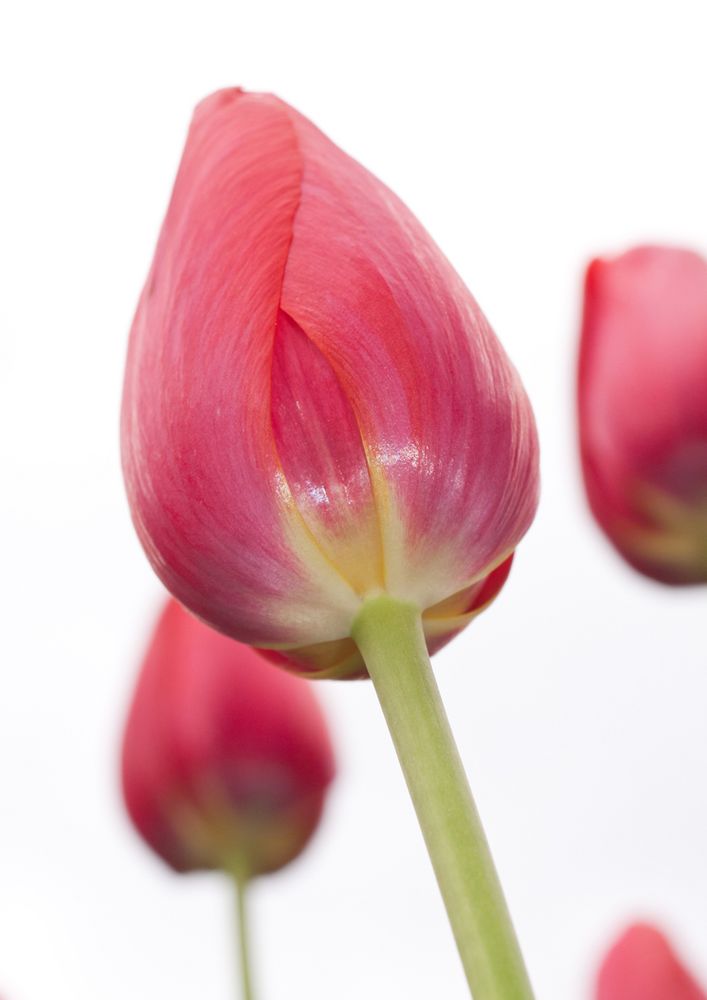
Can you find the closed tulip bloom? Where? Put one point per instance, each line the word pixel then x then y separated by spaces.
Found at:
pixel 316 410
pixel 643 408
pixel 226 760
pixel 643 966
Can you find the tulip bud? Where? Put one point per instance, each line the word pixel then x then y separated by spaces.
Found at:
pixel 642 966
pixel 226 759
pixel 316 411
pixel 643 408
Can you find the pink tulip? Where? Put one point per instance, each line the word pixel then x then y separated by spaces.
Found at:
pixel 316 410
pixel 643 966
pixel 643 408
pixel 226 759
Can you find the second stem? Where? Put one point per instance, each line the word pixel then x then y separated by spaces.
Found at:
pixel 241 885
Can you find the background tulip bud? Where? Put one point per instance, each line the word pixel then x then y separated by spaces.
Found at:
pixel 643 966
pixel 643 408
pixel 226 759
pixel 316 411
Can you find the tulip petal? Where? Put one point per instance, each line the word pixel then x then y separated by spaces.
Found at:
pixel 201 467
pixel 454 472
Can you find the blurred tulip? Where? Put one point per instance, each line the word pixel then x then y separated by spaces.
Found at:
pixel 316 410
pixel 226 759
pixel 643 408
pixel 643 966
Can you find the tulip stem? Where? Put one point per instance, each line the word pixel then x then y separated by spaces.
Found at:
pixel 241 885
pixel 390 638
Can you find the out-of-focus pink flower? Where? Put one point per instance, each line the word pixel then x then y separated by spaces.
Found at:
pixel 643 408
pixel 316 410
pixel 226 759
pixel 643 966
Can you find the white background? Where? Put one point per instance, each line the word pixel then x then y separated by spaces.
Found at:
pixel 527 137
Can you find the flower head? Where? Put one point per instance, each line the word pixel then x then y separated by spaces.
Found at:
pixel 643 966
pixel 316 411
pixel 643 408
pixel 226 759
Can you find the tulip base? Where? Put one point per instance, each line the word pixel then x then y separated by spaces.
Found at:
pixel 390 638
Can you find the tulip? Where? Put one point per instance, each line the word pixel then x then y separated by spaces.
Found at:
pixel 643 966
pixel 327 453
pixel 316 410
pixel 643 408
pixel 226 760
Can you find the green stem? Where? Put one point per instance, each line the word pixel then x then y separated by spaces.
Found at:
pixel 391 640
pixel 243 938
